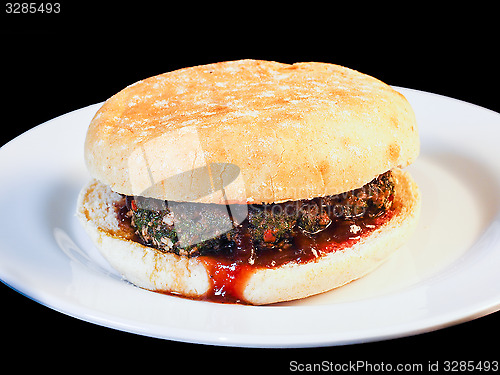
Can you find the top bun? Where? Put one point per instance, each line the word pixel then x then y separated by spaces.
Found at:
pixel 250 132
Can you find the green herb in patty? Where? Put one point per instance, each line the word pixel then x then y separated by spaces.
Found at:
pixel 192 229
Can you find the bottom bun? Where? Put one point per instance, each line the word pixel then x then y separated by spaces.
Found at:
pixel 152 269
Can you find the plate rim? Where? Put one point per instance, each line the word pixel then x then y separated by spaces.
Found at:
pixel 434 324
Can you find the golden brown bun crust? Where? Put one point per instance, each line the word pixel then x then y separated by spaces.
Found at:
pixel 294 131
pixel 166 272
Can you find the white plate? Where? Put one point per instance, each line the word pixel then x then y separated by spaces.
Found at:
pixel 447 273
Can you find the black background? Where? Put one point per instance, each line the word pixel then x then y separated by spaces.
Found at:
pixel 56 63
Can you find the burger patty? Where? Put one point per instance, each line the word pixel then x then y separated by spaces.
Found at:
pixel 193 229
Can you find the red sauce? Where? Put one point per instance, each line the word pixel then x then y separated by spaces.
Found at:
pixel 228 280
pixel 230 270
pixel 229 276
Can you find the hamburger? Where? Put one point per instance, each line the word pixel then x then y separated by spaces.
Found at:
pixel 250 181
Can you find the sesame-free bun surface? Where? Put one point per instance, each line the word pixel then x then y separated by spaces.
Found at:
pixel 152 269
pixel 265 131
